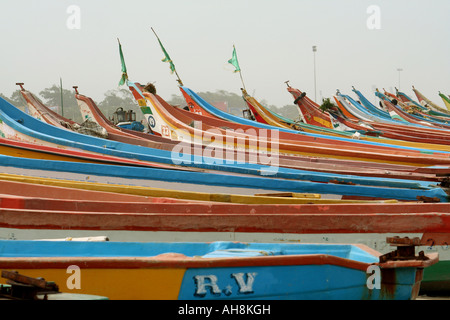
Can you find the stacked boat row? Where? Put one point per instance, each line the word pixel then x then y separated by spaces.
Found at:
pixel 205 175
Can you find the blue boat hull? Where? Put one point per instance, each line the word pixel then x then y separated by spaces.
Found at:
pixel 217 270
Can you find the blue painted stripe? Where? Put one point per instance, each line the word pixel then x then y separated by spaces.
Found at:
pixel 217 179
pixel 41 248
pixel 368 108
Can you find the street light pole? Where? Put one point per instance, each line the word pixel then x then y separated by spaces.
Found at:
pixel 399 70
pixel 314 48
pixel 62 101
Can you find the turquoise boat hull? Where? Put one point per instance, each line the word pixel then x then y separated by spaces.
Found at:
pixel 219 270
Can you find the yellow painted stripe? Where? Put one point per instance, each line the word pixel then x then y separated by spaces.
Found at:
pixel 115 284
pixel 31 154
pixel 187 195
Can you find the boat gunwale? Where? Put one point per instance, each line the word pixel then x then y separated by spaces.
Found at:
pixel 176 260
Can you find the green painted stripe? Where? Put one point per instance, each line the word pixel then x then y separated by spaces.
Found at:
pixel 437 272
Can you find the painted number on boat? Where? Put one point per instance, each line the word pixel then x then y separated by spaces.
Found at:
pixel 165 131
pixel 208 284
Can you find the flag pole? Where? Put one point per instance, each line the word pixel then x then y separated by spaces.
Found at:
pixel 170 60
pixel 242 80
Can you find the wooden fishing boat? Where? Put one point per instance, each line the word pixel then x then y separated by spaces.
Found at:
pixel 363 111
pixel 425 172
pixel 59 196
pixel 365 125
pixel 90 110
pixel 262 114
pixel 427 102
pixel 362 126
pixel 218 270
pixel 33 186
pixel 407 123
pixel 413 117
pixel 91 113
pixel 407 100
pixel 304 137
pixel 189 118
pixel 295 181
pixel 158 118
pixel 284 161
pixel 68 213
pixel 36 151
pixel 310 114
pixel 28 150
pixel 440 120
pixel 361 130
pixel 224 180
pixel 288 127
pixel 412 106
pixel 311 109
pixel 38 110
pixel 277 121
pixel 434 135
pixel 400 99
pixel 221 181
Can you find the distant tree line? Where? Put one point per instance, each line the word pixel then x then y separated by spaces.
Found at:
pixel 123 98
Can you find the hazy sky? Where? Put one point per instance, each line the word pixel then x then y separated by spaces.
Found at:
pixel 44 40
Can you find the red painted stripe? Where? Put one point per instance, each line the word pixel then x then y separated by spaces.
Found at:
pixel 280 223
pixel 79 154
pixel 168 205
pixel 12 202
pixel 47 191
pixel 163 205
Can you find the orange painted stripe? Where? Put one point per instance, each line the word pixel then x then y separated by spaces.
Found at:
pixel 114 283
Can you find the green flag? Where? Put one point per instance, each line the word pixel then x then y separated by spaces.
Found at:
pixel 234 61
pixel 167 58
pixel 124 67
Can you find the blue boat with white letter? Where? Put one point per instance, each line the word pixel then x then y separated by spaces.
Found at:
pixel 221 270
